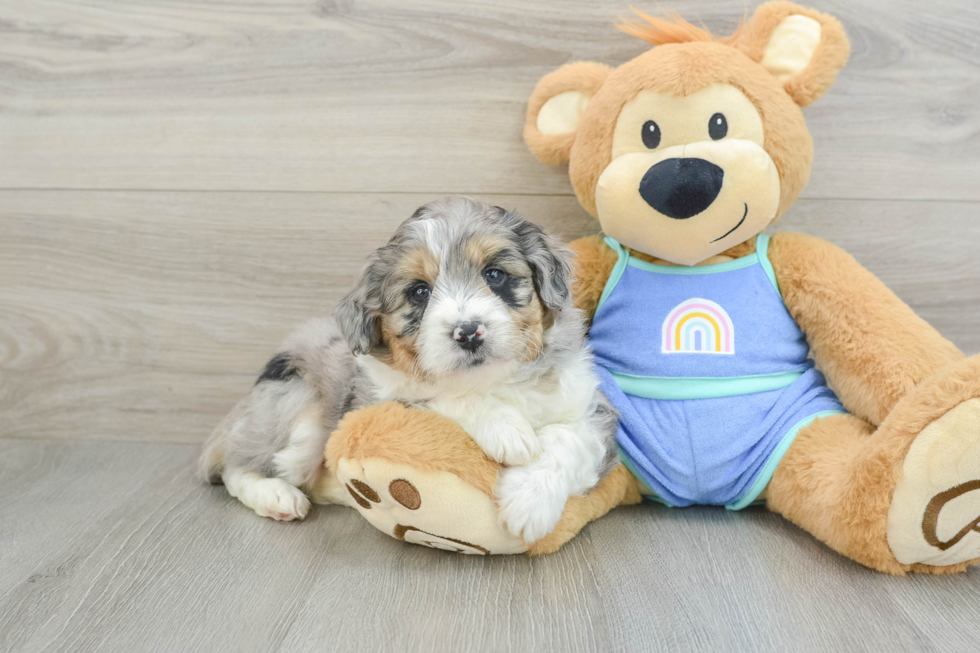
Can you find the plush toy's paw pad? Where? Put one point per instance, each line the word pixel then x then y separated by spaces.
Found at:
pixel 510 441
pixel 434 509
pixel 529 505
pixel 279 500
pixel 934 518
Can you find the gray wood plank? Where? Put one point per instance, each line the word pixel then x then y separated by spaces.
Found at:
pixel 425 96
pixel 144 316
pixel 114 546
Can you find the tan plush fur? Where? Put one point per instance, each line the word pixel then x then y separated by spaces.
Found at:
pixel 837 479
pixel 871 345
pixel 688 62
pixel 585 77
pixel 829 57
pixel 424 440
pixel 681 69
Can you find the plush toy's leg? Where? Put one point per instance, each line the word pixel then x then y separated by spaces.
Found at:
pixel 418 477
pixel 904 497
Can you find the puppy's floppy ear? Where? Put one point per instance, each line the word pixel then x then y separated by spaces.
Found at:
pixel 555 107
pixel 550 261
pixel 357 312
pixel 802 48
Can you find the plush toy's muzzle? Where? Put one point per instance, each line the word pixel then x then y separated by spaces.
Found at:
pixel 688 202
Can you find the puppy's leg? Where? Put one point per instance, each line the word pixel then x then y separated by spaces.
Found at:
pixel 500 429
pixel 300 462
pixel 268 497
pixel 270 446
pixel 532 498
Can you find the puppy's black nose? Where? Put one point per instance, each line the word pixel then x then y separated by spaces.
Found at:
pixel 469 335
pixel 681 188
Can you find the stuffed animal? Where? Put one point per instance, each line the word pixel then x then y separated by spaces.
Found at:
pixel 746 368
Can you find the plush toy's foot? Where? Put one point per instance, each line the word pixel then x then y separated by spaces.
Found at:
pixel 934 517
pixel 903 497
pixel 435 509
pixel 420 478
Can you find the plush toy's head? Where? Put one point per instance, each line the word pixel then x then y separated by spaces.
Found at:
pixel 698 144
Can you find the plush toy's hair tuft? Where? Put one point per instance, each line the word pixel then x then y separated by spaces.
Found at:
pixel 673 30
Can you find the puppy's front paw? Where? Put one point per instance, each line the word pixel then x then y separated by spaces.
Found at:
pixel 529 503
pixel 509 439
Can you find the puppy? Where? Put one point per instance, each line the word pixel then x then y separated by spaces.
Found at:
pixel 466 312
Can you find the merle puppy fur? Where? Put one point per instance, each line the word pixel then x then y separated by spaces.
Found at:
pixel 466 312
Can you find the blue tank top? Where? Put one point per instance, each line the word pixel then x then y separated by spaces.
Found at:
pixel 709 372
pixel 721 330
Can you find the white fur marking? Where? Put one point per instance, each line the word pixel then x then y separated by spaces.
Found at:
pixel 299 462
pixel 533 498
pixel 268 497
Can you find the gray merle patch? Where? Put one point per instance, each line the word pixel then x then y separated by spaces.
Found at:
pixel 280 368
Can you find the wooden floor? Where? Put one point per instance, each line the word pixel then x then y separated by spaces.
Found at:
pixel 181 182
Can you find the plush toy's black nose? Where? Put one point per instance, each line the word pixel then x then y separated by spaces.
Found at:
pixel 681 188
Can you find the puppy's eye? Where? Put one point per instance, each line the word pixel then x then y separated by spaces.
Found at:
pixel 651 134
pixel 494 277
pixel 717 127
pixel 419 293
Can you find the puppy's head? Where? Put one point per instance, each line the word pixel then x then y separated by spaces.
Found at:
pixel 461 285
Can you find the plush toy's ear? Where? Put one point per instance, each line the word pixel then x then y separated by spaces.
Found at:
pixel 802 48
pixel 555 107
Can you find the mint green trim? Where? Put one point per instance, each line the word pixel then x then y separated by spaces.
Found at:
pixel 705 387
pixel 617 271
pixel 762 251
pixel 761 256
pixel 766 475
pixel 727 266
pixel 649 494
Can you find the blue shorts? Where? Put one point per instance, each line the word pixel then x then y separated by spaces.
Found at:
pixel 719 451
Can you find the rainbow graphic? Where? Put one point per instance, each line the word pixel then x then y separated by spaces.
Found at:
pixel 698 326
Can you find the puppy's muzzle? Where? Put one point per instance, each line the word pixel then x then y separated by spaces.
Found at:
pixel 681 188
pixel 469 335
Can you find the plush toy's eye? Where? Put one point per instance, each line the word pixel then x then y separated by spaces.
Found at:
pixel 717 127
pixel 651 134
pixel 494 277
pixel 419 293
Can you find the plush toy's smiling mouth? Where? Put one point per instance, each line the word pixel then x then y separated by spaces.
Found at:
pixel 744 215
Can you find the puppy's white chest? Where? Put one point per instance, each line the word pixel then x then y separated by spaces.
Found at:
pixel 537 408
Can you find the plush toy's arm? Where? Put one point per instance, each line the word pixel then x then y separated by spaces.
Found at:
pixel 869 343
pixel 594 263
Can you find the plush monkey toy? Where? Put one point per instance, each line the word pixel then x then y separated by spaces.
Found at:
pixel 746 368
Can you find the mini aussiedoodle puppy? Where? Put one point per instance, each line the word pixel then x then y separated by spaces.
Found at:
pixel 466 312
